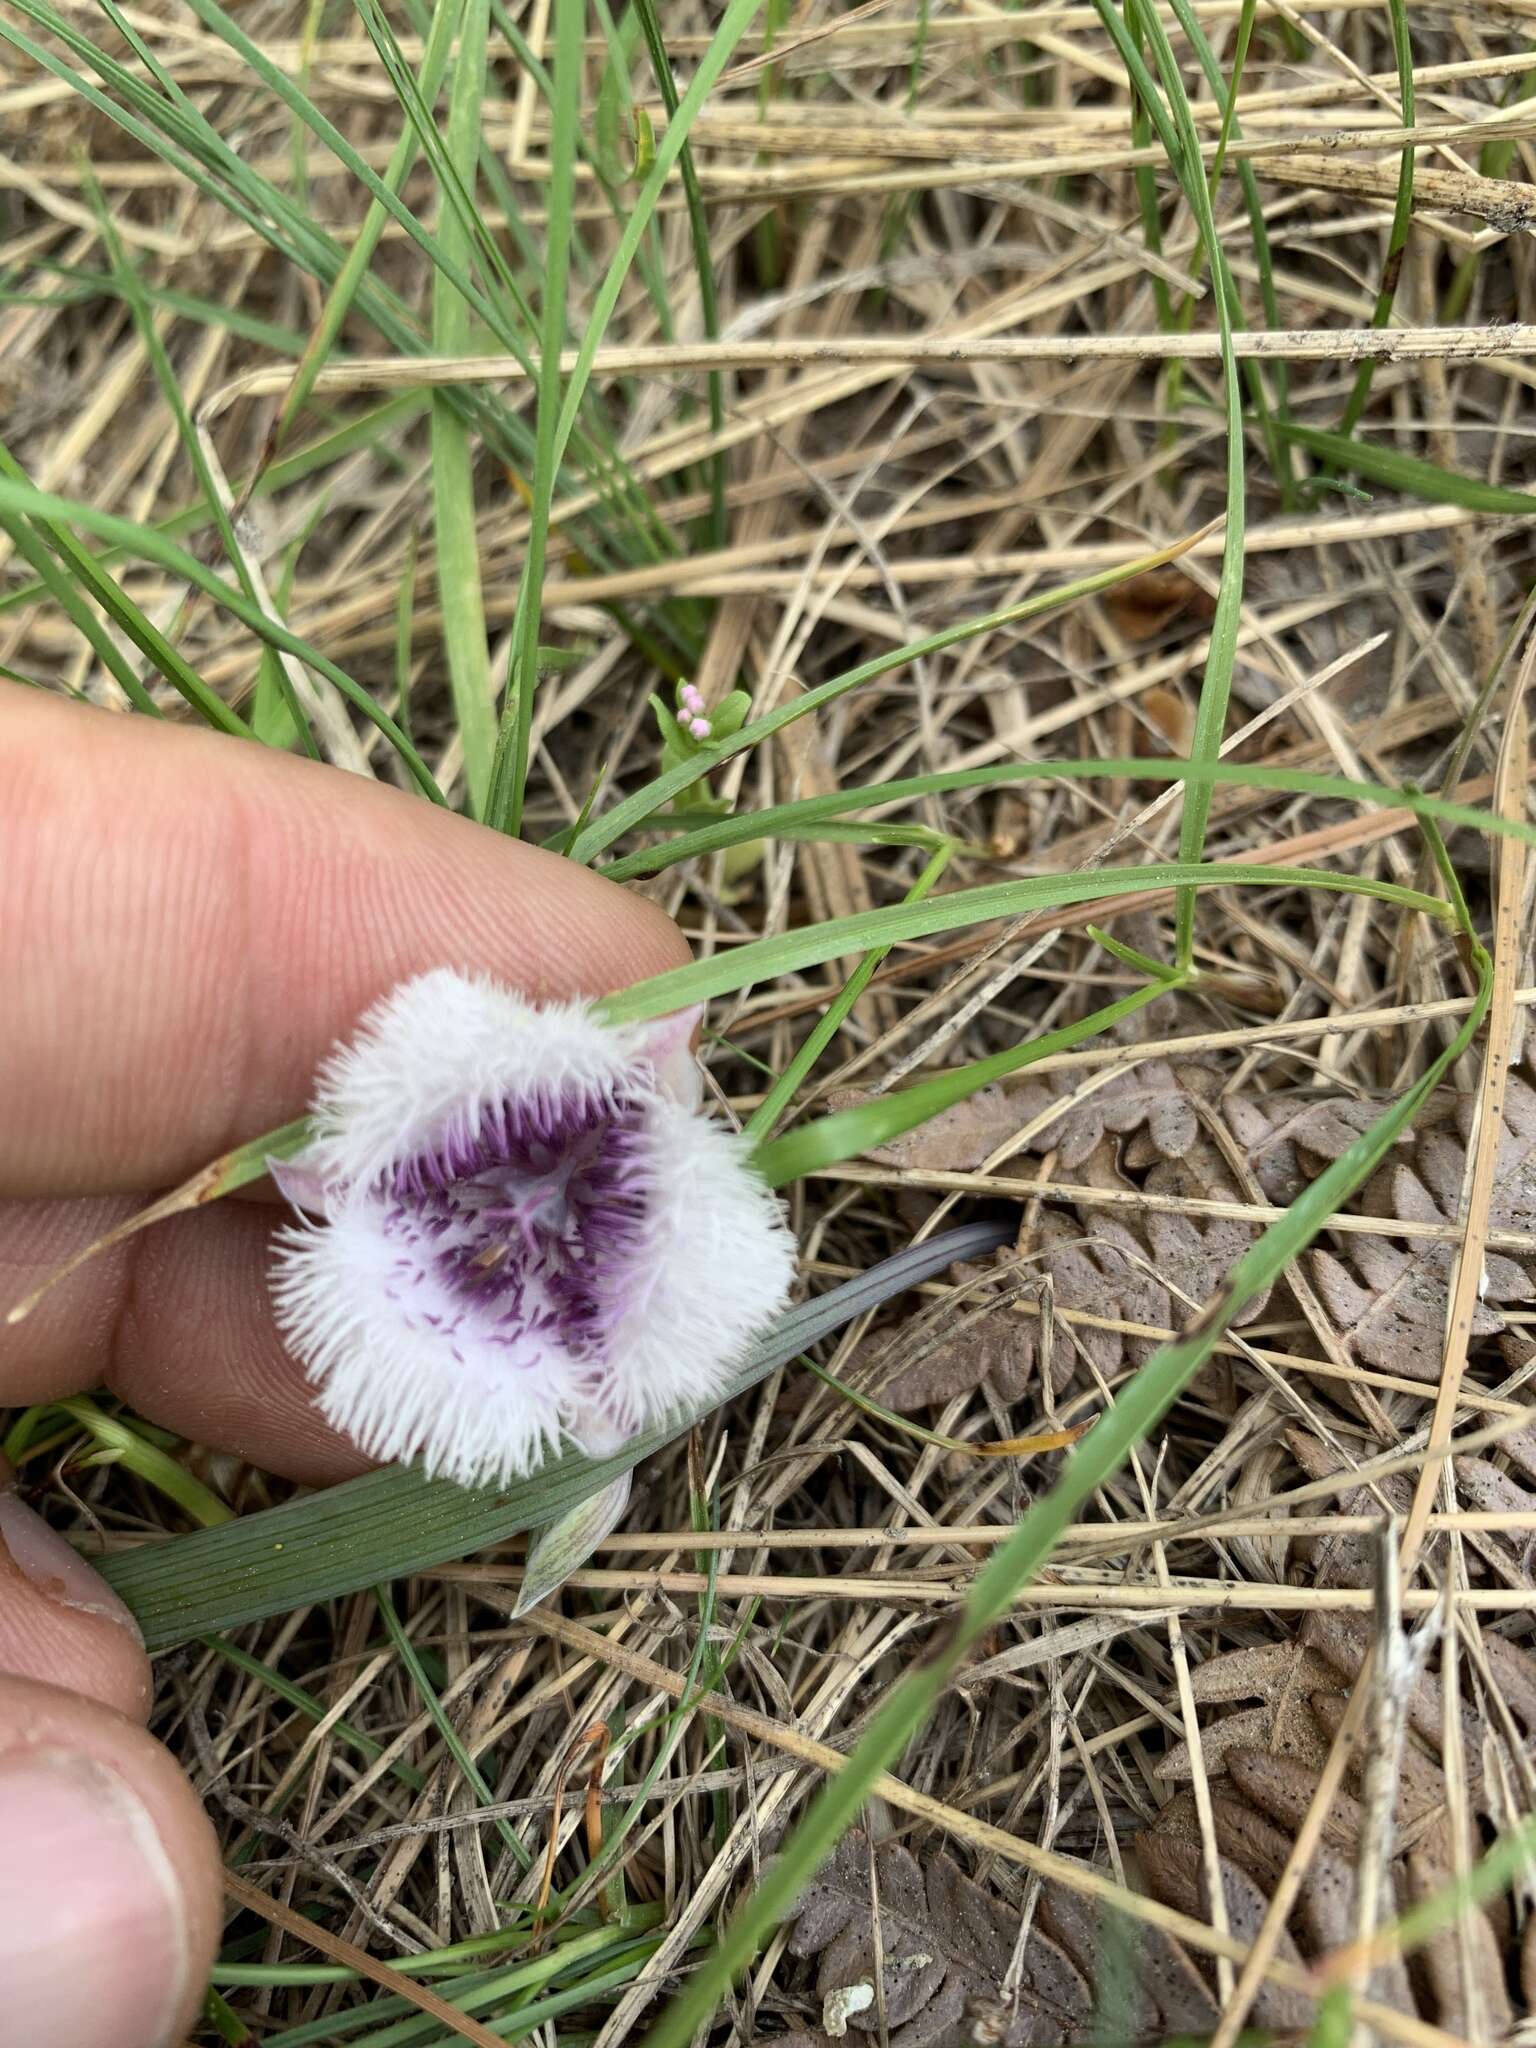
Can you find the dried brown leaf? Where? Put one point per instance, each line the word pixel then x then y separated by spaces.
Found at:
pixel 1172 1997
pixel 1154 1105
pixel 1140 1131
pixel 957 1140
pixel 1442 1966
pixel 1175 1872
pixel 946 1946
pixel 1108 1263
pixel 1283 1786
pixel 1282 1677
pixel 1487 1487
pixel 1346 1559
pixel 1388 1295
pixel 998 1345
pixel 1513 1669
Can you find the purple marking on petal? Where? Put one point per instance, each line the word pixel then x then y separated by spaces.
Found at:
pixel 522 1222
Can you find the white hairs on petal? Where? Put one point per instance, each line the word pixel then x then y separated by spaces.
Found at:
pixel 719 1263
pixel 475 1294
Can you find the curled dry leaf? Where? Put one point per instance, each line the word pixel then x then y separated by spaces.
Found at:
pixel 948 1948
pixel 1388 1295
pixel 1261 1792
pixel 1148 604
pixel 1140 1130
pixel 945 1947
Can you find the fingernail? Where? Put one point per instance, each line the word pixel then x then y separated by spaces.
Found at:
pixel 93 1941
pixel 57 1570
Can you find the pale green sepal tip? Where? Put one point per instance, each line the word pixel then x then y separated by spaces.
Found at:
pixel 562 1547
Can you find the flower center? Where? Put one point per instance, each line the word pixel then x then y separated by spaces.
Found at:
pixel 526 1222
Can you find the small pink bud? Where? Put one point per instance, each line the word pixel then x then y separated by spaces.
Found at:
pixel 699 727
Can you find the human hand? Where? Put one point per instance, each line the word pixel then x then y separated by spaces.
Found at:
pixel 189 924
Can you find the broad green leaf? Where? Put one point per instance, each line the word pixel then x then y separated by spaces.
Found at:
pixel 391 1523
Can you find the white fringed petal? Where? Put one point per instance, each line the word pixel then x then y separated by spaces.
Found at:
pixel 441 1050
pixel 717 1265
pixel 399 1385
pixel 411 1354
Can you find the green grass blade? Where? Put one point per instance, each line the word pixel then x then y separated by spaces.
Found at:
pixel 456 175
pixel 1494 160
pixel 178 134
pixel 703 259
pixel 811 815
pixel 734 23
pixel 1408 474
pixel 636 809
pixel 274 678
pixel 49 516
pixel 313 1710
pixel 510 774
pixel 789 951
pixel 338 301
pixel 120 1442
pixel 376 424
pixel 1216 684
pixel 437 250
pixel 848 1132
pixel 468 1769
pixel 1247 178
pixel 52 582
pixel 507 794
pixel 830 1022
pixel 1144 178
pixel 1511 1858
pixel 453 463
pixel 1402 215
pixel 22 499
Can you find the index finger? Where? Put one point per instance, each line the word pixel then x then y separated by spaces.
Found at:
pixel 190 922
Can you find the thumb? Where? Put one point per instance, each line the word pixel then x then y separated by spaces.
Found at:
pixel 109 1873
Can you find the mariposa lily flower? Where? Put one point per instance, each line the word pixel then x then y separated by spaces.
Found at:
pixel 520 1229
